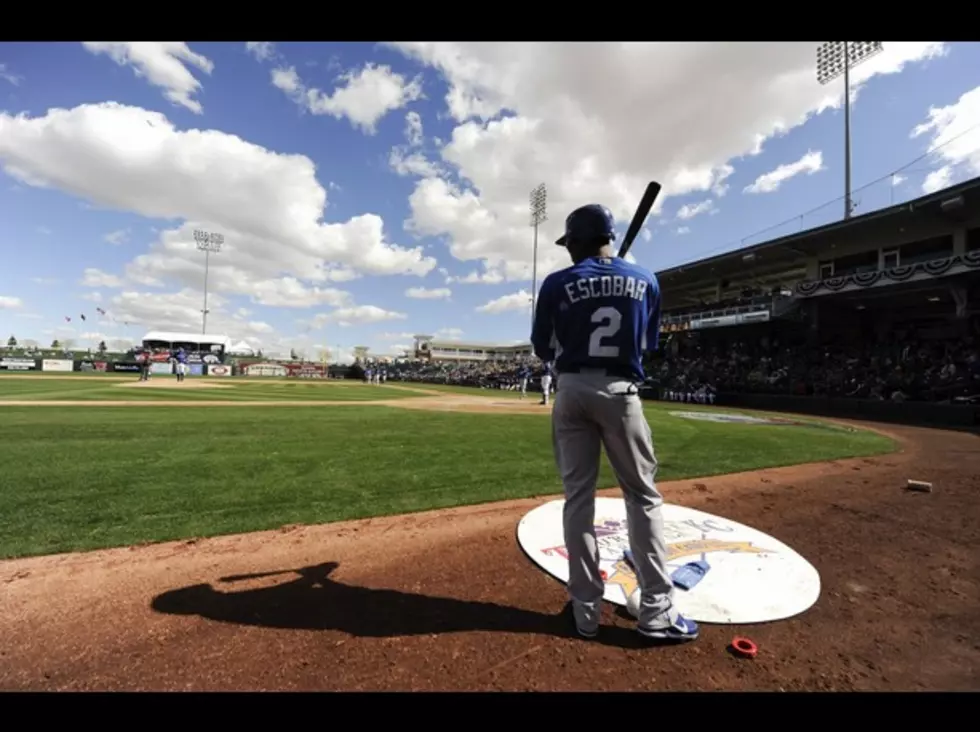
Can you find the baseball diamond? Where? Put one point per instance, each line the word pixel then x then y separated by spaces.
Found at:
pixel 198 536
pixel 300 390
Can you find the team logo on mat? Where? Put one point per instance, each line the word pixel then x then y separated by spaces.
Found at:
pixel 743 575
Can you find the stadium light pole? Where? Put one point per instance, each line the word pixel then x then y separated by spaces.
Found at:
pixel 539 214
pixel 833 59
pixel 207 242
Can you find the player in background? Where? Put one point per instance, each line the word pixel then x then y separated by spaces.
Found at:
pixel 181 358
pixel 525 376
pixel 545 382
pixel 596 319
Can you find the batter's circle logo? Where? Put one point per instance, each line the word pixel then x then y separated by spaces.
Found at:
pixel 732 418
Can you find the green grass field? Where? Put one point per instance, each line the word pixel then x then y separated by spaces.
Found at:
pixel 78 478
pixel 44 388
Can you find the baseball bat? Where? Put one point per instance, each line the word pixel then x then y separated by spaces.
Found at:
pixel 642 211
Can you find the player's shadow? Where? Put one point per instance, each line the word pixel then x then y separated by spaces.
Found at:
pixel 315 601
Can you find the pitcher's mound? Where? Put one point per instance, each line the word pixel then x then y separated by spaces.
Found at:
pixel 171 383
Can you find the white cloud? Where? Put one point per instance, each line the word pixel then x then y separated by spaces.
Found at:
pixel 954 135
pixel 683 230
pixel 690 210
pixel 424 293
pixel 162 63
pixel 938 179
pixel 10 303
pixel 97 278
pixel 364 97
pixel 490 277
pixel 897 179
pixel 517 301
pixel 770 182
pixel 547 112
pixel 262 50
pixel 131 159
pixel 44 280
pixel 357 315
pixel 412 163
pixel 9 76
pixel 117 237
pixel 413 129
pixel 92 296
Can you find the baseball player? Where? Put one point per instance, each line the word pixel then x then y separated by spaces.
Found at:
pixel 181 358
pixel 524 375
pixel 545 382
pixel 595 320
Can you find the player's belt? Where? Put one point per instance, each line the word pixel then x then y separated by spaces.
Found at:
pixel 615 373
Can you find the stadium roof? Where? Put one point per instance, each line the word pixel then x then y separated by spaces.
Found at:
pixel 791 248
pixel 171 337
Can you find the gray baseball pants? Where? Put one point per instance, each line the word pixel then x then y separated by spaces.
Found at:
pixel 591 410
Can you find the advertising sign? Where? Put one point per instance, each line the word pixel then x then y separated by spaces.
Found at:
pixel 195 369
pixel 306 370
pixel 129 367
pixel 88 365
pixel 57 364
pixel 219 370
pixel 265 369
pixel 18 364
pixel 161 368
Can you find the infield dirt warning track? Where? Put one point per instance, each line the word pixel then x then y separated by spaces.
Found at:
pixel 447 601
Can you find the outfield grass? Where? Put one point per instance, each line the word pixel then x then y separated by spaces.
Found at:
pixel 77 479
pixel 50 388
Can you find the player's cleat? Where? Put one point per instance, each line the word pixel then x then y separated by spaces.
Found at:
pixel 580 624
pixel 680 631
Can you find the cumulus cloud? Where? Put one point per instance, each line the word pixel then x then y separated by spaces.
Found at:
pixel 506 303
pixel 262 50
pixel 771 182
pixel 357 315
pixel 94 277
pixel 551 112
pixel 954 135
pixel 8 302
pixel 117 237
pixel 162 63
pixel 363 96
pixel 690 210
pixel 424 293
pixel 276 244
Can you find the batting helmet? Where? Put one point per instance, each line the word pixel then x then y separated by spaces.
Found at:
pixel 594 221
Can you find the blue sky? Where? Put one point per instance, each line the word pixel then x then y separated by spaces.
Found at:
pixel 347 178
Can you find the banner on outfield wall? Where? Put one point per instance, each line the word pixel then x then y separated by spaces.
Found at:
pixel 265 369
pixel 92 366
pixel 195 369
pixel 18 364
pixel 129 367
pixel 306 370
pixel 219 369
pixel 57 364
pixel 161 368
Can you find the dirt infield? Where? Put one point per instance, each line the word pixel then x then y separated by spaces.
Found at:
pixel 446 600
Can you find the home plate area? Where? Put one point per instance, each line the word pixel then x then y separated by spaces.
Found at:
pixel 724 572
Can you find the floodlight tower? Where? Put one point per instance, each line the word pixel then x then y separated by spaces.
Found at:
pixel 539 214
pixel 833 59
pixel 207 242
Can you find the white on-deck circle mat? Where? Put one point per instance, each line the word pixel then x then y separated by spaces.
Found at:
pixel 753 578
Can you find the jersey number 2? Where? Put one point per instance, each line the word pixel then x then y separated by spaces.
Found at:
pixel 610 320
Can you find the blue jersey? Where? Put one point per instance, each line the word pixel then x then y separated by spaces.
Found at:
pixel 602 313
